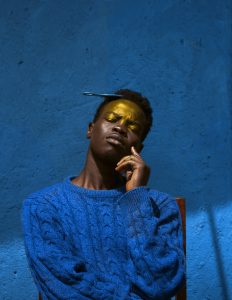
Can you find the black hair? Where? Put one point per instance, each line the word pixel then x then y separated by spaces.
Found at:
pixel 135 97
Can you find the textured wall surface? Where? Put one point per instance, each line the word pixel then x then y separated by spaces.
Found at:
pixel 178 53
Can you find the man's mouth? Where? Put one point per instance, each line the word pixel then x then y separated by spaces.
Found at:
pixel 115 139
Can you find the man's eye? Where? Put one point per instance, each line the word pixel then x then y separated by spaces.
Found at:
pixel 133 127
pixel 111 118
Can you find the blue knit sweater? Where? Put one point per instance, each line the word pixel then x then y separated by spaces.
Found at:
pixel 103 244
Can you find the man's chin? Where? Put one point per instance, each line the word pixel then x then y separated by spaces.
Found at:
pixel 111 154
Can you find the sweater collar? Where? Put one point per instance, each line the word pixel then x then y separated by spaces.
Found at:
pixel 93 193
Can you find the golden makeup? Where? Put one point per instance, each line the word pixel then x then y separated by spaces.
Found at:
pixel 125 112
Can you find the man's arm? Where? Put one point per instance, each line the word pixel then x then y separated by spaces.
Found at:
pixel 157 262
pixel 57 267
pixel 153 224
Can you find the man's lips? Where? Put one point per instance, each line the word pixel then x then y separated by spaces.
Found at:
pixel 115 139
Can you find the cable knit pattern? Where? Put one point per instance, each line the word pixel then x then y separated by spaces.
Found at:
pixel 103 244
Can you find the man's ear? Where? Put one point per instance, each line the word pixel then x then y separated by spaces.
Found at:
pixel 90 129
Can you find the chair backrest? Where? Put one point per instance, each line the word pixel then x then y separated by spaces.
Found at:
pixel 182 294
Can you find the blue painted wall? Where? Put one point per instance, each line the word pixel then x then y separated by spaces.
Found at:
pixel 178 53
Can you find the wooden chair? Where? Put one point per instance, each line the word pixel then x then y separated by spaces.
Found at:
pixel 181 295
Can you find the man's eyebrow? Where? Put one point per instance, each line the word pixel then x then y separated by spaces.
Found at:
pixel 112 112
pixel 119 116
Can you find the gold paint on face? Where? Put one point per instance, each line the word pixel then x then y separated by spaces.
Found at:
pixel 125 112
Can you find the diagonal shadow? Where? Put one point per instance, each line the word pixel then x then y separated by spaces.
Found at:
pixel 221 270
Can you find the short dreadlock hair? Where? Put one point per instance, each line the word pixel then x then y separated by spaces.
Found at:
pixel 135 97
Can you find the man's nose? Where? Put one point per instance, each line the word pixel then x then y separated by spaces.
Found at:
pixel 120 128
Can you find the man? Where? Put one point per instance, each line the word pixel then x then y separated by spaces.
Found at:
pixel 104 234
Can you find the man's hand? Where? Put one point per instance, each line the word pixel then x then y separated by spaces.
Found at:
pixel 137 172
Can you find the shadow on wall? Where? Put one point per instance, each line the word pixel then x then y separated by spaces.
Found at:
pixel 218 254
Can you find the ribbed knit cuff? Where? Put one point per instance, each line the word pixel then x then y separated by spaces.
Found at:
pixel 136 205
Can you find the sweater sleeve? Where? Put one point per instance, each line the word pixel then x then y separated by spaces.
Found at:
pixel 58 269
pixel 156 258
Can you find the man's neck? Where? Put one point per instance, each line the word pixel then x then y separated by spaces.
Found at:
pixel 98 175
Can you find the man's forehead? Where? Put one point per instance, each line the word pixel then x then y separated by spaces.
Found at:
pixel 125 107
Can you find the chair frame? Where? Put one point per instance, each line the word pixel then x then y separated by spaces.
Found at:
pixel 182 293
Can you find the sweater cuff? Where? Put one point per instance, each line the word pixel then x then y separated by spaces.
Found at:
pixel 136 204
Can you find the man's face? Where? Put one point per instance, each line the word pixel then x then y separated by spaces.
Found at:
pixel 119 126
